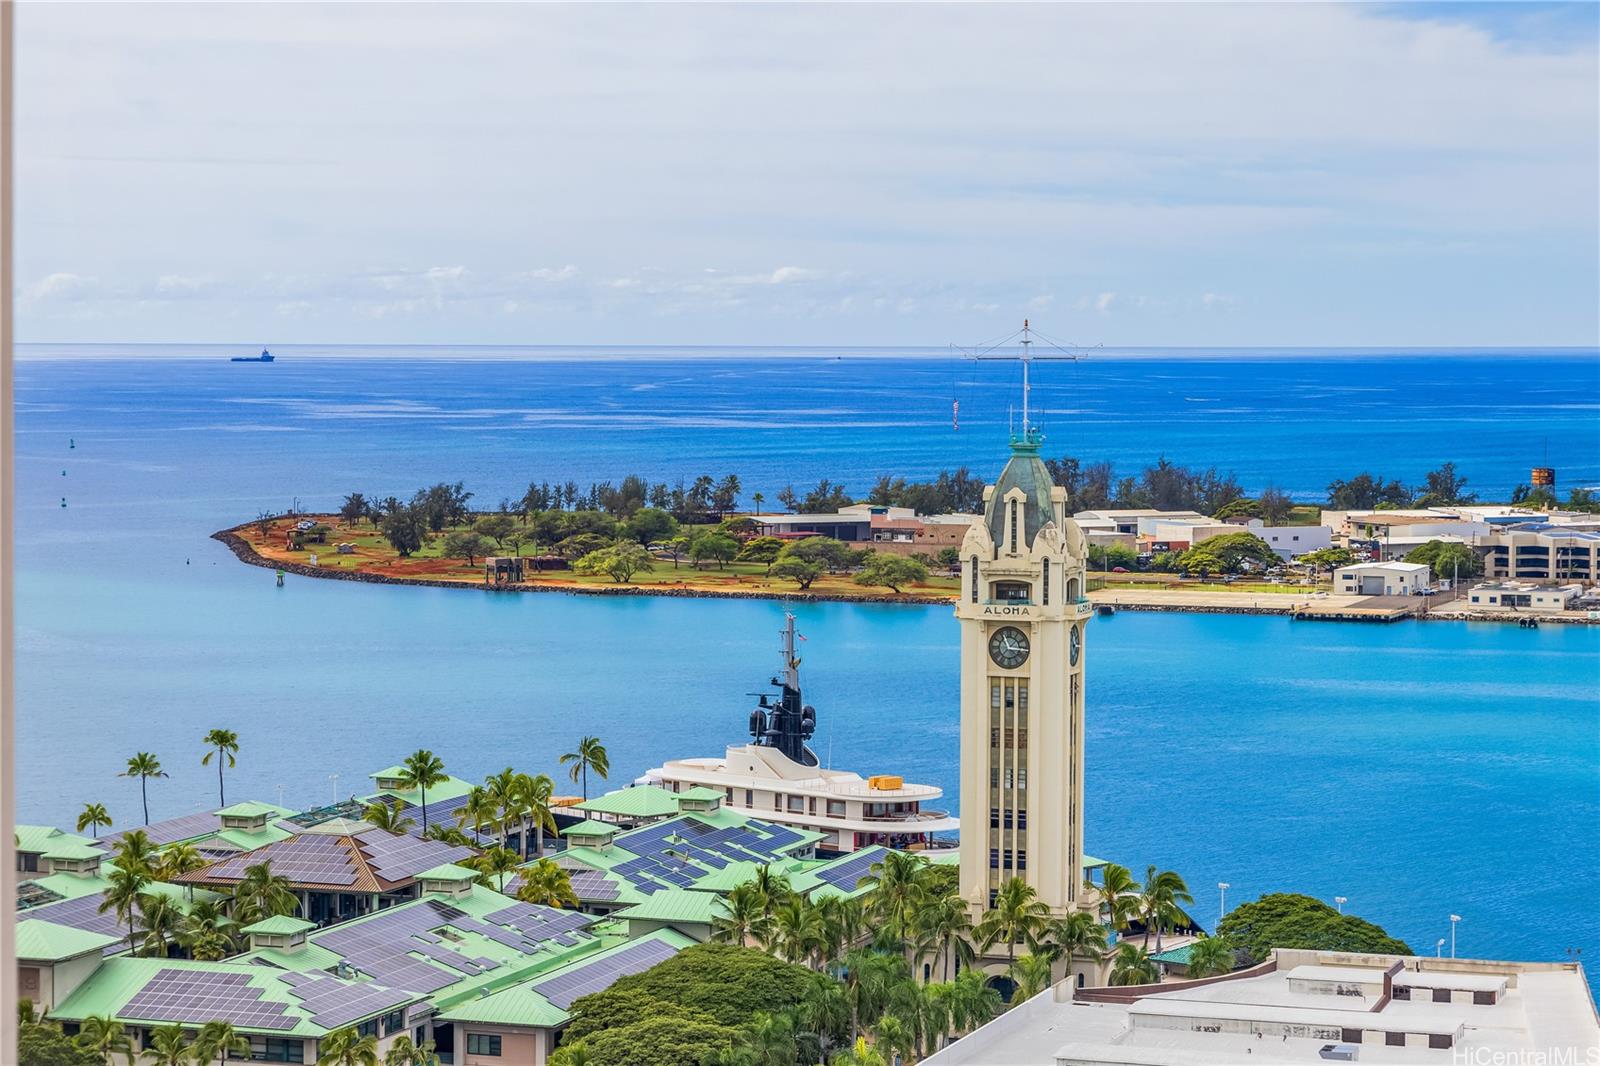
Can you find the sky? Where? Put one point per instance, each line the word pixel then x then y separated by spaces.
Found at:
pixel 1144 174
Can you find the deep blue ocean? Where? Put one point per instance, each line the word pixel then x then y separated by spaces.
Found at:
pixel 1418 769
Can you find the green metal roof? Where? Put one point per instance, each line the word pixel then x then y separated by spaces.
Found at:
pixel 678 905
pixel 728 878
pixel 70 847
pixel 590 828
pixel 280 925
pixel 520 1005
pixel 1025 471
pixel 45 942
pixel 640 801
pixel 702 792
pixel 1090 862
pixel 449 872
pixel 250 809
pixel 446 788
pixel 41 838
pixel 389 771
pixel 1175 956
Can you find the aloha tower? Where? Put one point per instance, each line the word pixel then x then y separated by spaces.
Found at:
pixel 1022 609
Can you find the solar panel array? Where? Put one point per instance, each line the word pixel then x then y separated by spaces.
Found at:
pixel 441 812
pixel 847 875
pixel 309 858
pixel 334 1003
pixel 33 894
pixel 84 913
pixel 676 853
pixel 173 829
pixel 399 857
pixel 382 946
pixel 201 996
pixel 563 988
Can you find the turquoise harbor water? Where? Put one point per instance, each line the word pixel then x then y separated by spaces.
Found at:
pixel 1419 769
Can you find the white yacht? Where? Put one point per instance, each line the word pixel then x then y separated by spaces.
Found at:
pixel 777 777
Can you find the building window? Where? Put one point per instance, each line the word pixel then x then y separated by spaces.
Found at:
pixel 28 862
pixel 394 1021
pixel 1013 525
pixel 276 1049
pixel 749 798
pixel 483 1044
pixel 1394 1039
pixel 368 1028
pixel 1045 591
pixel 974 579
pixel 1483 999
pixel 1441 995
pixel 836 808
pixel 812 806
pixel 797 804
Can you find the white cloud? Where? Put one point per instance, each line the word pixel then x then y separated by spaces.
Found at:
pixel 1103 302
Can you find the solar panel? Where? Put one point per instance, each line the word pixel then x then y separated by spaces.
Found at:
pixel 173 829
pixel 847 874
pixel 84 913
pixel 174 995
pixel 306 859
pixel 399 857
pixel 563 988
pixel 334 1003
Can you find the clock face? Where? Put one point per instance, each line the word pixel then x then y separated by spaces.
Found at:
pixel 1008 647
pixel 1075 645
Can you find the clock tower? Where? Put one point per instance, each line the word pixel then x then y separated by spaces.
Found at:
pixel 1022 610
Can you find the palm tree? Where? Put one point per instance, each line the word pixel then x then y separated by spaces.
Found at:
pixel 106 1037
pixel 507 791
pixel 206 932
pixel 860 1053
pixel 1078 935
pixel 944 925
pixel 1132 965
pixel 766 1040
pixel 448 834
pixel 538 814
pixel 404 1052
pixel 894 1039
pixel 169 1046
pixel 548 885
pixel 590 755
pixel 422 770
pixel 746 919
pixel 1159 903
pixel 144 766
pixel 844 921
pixel 823 1011
pixel 1117 890
pixel 868 976
pixel 344 1047
pixel 973 1001
pixel 178 859
pixel 390 817
pixel 1018 914
pixel 261 894
pixel 797 931
pixel 772 887
pixel 1029 975
pixel 573 1054
pixel 135 851
pixel 226 745
pixel 892 886
pixel 478 809
pixel 218 1040
pixel 94 815
pixel 122 896
pixel 496 863
pixel 1212 956
pixel 158 919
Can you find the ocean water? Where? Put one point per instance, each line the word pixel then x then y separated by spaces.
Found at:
pixel 1418 769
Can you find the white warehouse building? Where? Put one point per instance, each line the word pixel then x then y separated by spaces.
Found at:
pixel 1381 579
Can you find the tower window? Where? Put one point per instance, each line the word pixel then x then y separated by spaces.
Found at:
pixel 1013 525
pixel 974 579
pixel 1046 589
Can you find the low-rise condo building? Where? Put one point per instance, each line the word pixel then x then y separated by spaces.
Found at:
pixel 895 529
pixel 1381 579
pixel 1523 596
pixel 1304 1007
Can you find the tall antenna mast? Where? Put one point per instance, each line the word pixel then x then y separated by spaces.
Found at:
pixel 1024 355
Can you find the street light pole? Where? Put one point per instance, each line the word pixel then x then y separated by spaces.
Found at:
pixel 1340 901
pixel 1222 900
pixel 1438 949
pixel 1454 918
pixel 335 779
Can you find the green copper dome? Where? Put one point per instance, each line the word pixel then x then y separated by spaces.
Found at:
pixel 1025 471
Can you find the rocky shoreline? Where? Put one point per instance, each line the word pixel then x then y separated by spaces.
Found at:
pixel 242 549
